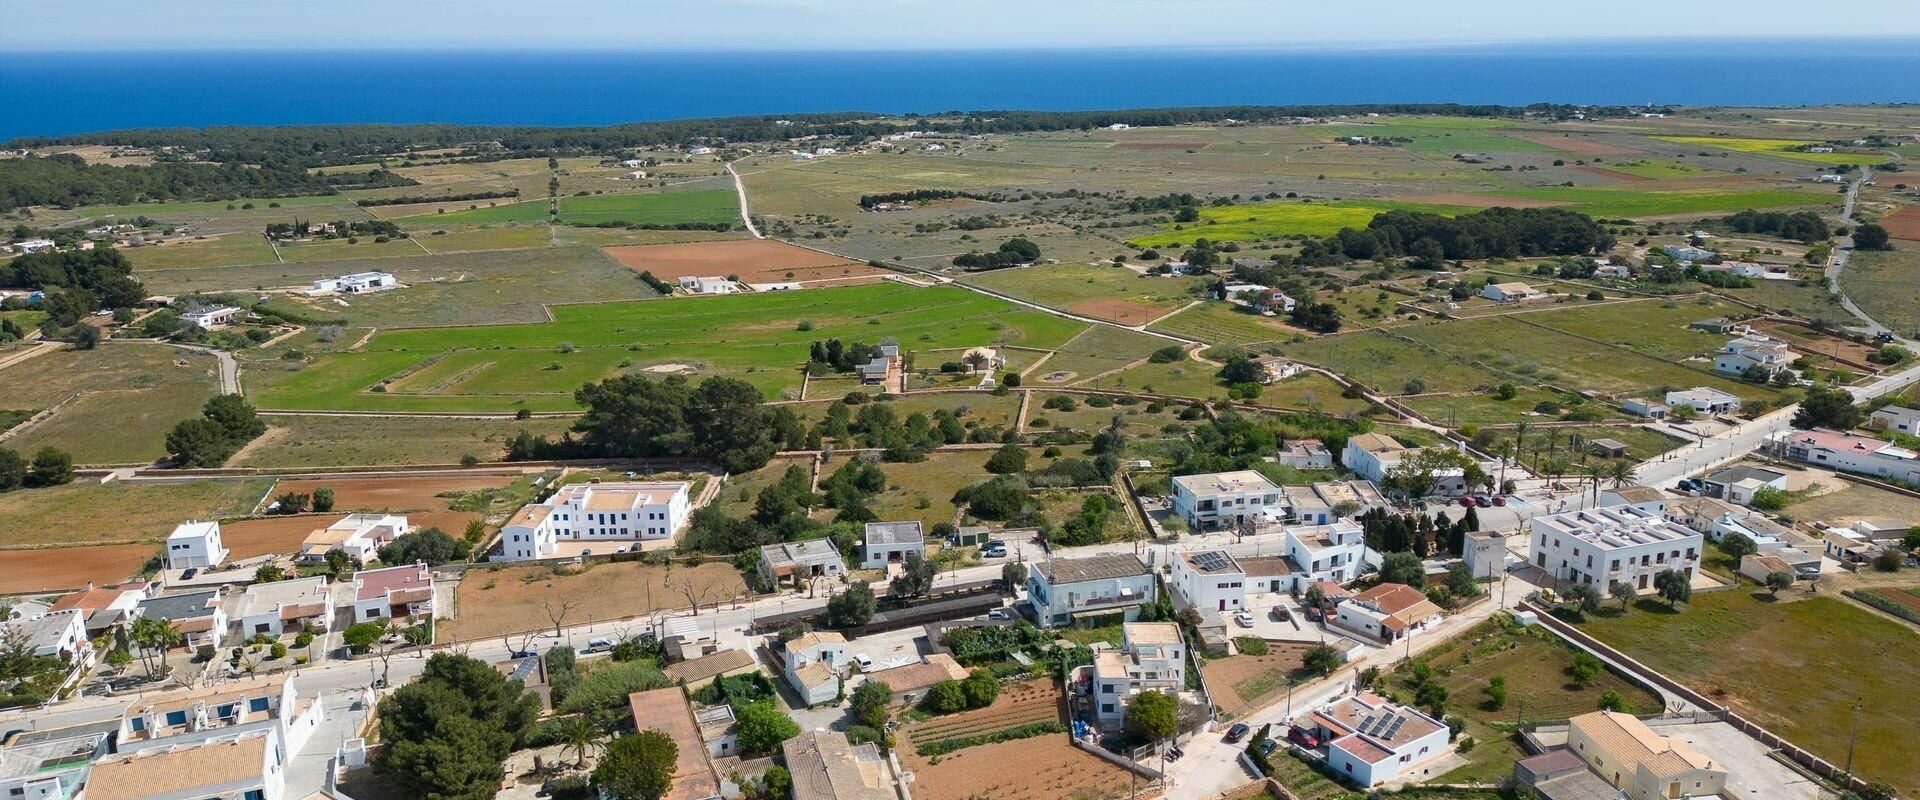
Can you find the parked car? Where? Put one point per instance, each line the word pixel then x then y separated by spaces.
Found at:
pixel 1244 619
pixel 1466 501
pixel 188 575
pixel 1303 737
pixel 866 664
pixel 1266 747
pixel 599 644
pixel 1281 613
pixel 1499 499
pixel 1236 733
pixel 999 613
pixel 995 553
pixel 1483 501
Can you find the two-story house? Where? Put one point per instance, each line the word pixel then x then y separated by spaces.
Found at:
pixel 814 663
pixel 394 593
pixel 1209 580
pixel 1223 499
pixel 282 607
pixel 615 513
pixel 1063 590
pixel 195 545
pixel 1151 658
pixel 1602 546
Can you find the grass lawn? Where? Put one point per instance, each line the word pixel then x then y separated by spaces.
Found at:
pixel 1219 322
pixel 1783 148
pixel 1269 220
pixel 1187 378
pixel 85 512
pixel 1100 349
pixel 1633 202
pixel 1534 665
pixel 753 336
pixel 1795 667
pixel 125 399
pixel 293 442
pixel 924 490
pixel 1113 293
pixel 664 208
pixel 1886 285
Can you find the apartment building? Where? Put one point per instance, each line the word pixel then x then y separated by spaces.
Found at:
pixel 1151 658
pixel 614 513
pixel 1223 499
pixel 1064 590
pixel 1621 543
pixel 175 718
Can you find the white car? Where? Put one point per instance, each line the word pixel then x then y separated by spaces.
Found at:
pixel 866 664
pixel 999 613
pixel 1244 619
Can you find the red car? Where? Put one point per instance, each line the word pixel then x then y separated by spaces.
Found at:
pixel 1466 502
pixel 1499 499
pixel 1303 737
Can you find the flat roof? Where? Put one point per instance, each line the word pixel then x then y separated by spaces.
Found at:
pixel 181 606
pixel 1245 480
pixel 885 533
pixel 1091 568
pixel 1614 527
pixel 1211 562
pixel 1155 633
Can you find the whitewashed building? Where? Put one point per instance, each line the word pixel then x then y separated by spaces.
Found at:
pixel 195 545
pixel 1063 590
pixel 1151 658
pixel 1210 580
pixel 614 513
pixel 401 592
pixel 1222 499
pixel 1622 543
pixel 1371 741
pixel 356 283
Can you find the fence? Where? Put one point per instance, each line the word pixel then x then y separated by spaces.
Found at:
pixel 1792 752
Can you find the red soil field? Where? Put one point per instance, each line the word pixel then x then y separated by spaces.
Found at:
pixel 1125 311
pixel 1903 224
pixel 66 568
pixel 753 260
pixel 393 495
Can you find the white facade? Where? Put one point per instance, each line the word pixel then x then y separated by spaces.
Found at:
pixel 1705 400
pixel 1222 499
pixel 710 284
pixel 1899 419
pixel 244 766
pixel 356 283
pixel 1210 580
pixel 1370 455
pixel 360 536
pixel 1093 586
pixel 799 562
pixel 891 542
pixel 284 607
pixel 212 317
pixel 1509 292
pixel 815 662
pixel 1603 545
pixel 596 512
pixel 1753 351
pixel 57 634
pixel 393 592
pixel 195 545
pixel 1333 552
pixel 1371 741
pixel 1306 454
pixel 1151 658
pixel 33 245
pixel 1852 453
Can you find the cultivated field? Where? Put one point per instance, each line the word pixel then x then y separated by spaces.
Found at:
pixel 493 601
pixel 1794 667
pixel 1227 323
pixel 71 568
pixel 668 208
pixel 296 442
pixel 1049 767
pixel 754 337
pixel 1242 682
pixel 115 402
pixel 394 495
pixel 1270 220
pixel 751 260
pixel 1018 704
pixel 1115 294
pixel 1904 223
pixel 1886 285
pixel 1778 148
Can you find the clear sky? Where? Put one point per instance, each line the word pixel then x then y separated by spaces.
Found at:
pixel 918 24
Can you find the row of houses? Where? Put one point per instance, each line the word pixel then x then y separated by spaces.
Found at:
pixel 1243 498
pixel 588 516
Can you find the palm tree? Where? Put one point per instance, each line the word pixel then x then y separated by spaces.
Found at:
pixel 1520 439
pixel 1620 472
pixel 1595 473
pixel 577 734
pixel 154 634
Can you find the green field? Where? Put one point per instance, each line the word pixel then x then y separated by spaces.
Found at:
pixel 754 337
pixel 1656 327
pixel 1628 202
pixel 1886 285
pixel 1100 349
pixel 1484 409
pixel 232 248
pixel 158 210
pixel 300 442
pixel 1795 667
pixel 1656 169
pixel 1069 287
pixel 1270 220
pixel 665 208
pixel 1219 322
pixel 1442 135
pixel 1524 352
pixel 1386 362
pixel 1782 148
pixel 120 399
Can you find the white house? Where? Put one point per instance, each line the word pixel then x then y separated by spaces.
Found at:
pixel 1644 409
pixel 1371 741
pixel 1151 658
pixel 614 513
pixel 1386 613
pixel 1737 484
pixel 245 766
pixel 1643 764
pixel 57 634
pixel 1222 499
pixel 360 536
pixel 1065 590
pixel 1602 546
pixel 708 284
pixel 1899 419
pixel 636 175
pixel 221 710
pixel 32 246
pixel 1510 292
pixel 815 661
pixel 356 283
pixel 1335 552
pixel 1645 498
pixel 103 607
pixel 1276 368
pixel 210 318
pixel 283 607
pixel 1275 301
pixel 1306 454
pixel 891 542
pixel 1704 400
pixel 699 150
pixel 796 563
pixel 1753 352
pixel 1370 455
pixel 202 616
pixel 1851 453
pixel 195 545
pixel 1745 269
pixel 1210 580
pixel 395 593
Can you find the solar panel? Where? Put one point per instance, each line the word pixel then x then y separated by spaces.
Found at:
pixel 1397 722
pixel 1210 561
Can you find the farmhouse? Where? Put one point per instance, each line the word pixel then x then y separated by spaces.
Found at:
pixel 281 607
pixel 1602 546
pixel 32 246
pixel 665 710
pixel 1275 301
pixel 825 766
pixel 195 545
pixel 1736 484
pixel 1223 499
pixel 891 542
pixel 1628 755
pixel 356 283
pixel 1688 254
pixel 210 318
pixel 1510 292
pixel 636 175
pixel 1895 418
pixel 360 536
pixel 1745 269
pixel 1754 354
pixel 883 368
pixel 1386 613
pixel 1151 658
pixel 1374 741
pixel 613 513
pixel 796 563
pixel 1063 591
pixel 1850 452
pixel 1276 368
pixel 711 284
pixel 1306 454
pixel 813 665
pixel 1209 580
pixel 393 593
pixel 1705 400
pixel 911 681
pixel 200 615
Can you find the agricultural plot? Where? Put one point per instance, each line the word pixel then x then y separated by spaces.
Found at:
pixel 1574 443
pixel 1112 293
pixel 662 208
pixel 1136 422
pixel 1098 350
pixel 924 490
pixel 210 207
pixel 1441 135
pixel 497 600
pixel 1388 361
pixel 974 409
pixel 295 442
pixel 1791 666
pixel 1854 501
pixel 1481 408
pixel 65 569
pixel 467 239
pixel 1272 220
pixel 214 251
pixel 1805 298
pixel 1186 378
pixel 756 337
pixel 1654 169
pixel 736 498
pixel 747 260
pixel 1886 285
pixel 85 512
pixel 1218 322
pixel 1311 391
pixel 1049 767
pixel 1018 704
pixel 1778 148
pixel 1243 681
pixel 1634 202
pixel 1655 327
pixel 113 404
pixel 1517 351
pixel 349 249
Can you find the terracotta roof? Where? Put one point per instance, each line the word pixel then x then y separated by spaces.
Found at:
pixel 815 673
pixel 201 770
pixel 1392 598
pixel 1631 741
pixel 707 666
pixel 665 710
pixel 1362 749
pixel 938 667
pixel 1376 443
pixel 825 766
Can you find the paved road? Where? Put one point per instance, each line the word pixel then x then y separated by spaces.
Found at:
pixel 1842 250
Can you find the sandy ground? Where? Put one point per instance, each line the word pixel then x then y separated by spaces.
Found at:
pixel 392 494
pixel 67 568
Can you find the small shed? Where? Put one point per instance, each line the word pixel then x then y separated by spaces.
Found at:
pixel 1609 448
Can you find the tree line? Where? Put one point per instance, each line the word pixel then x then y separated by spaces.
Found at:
pixel 1491 233
pixel 367 202
pixel 103 275
pixel 68 181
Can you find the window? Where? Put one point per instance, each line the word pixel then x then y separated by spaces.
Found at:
pixel 176 718
pixel 1106 688
pixel 139 724
pixel 372 613
pixel 1106 708
pixel 230 710
pixel 259 704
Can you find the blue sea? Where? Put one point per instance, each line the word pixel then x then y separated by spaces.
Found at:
pixel 58 93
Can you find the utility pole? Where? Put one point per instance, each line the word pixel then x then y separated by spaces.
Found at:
pixel 1851 738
